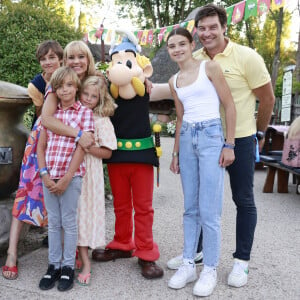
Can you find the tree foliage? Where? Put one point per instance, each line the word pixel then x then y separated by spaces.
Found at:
pixel 22 27
pixel 261 34
pixel 158 13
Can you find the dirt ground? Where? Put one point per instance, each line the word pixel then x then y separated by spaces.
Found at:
pixel 31 241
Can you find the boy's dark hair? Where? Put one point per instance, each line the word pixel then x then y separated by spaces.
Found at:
pixel 181 31
pixel 45 46
pixel 211 10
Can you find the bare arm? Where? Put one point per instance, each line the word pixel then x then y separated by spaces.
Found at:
pixel 266 103
pixel 216 76
pixel 58 127
pixel 160 91
pixel 37 98
pixel 174 167
pixel 101 152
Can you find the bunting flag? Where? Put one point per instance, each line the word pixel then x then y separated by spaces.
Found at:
pixel 229 12
pixel 250 9
pixel 139 34
pixel 238 12
pixel 263 6
pixel 169 29
pixel 276 4
pixel 150 37
pixel 235 13
pixel 161 34
pixel 144 38
pixel 108 37
pixel 190 25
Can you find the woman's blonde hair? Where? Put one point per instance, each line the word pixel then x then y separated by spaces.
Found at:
pixel 81 47
pixel 106 106
pixel 59 75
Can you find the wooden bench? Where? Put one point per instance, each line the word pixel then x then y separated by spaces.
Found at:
pixel 274 165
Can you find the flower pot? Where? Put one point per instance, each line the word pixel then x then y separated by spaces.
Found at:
pixel 14 101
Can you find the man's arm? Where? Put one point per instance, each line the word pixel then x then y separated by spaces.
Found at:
pixel 266 99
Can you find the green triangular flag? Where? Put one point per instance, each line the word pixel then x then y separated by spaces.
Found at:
pixel 250 9
pixel 229 11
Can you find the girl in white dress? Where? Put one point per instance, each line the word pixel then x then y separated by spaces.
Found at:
pixel 91 208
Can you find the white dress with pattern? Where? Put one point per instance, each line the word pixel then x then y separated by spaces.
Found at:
pixel 91 208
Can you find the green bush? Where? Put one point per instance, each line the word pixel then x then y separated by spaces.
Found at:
pixel 22 28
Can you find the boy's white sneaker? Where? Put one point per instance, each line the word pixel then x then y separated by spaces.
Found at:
pixel 206 283
pixel 238 277
pixel 175 262
pixel 185 274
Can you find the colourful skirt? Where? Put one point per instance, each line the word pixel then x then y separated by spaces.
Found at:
pixel 29 205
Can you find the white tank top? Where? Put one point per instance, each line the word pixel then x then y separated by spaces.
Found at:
pixel 200 99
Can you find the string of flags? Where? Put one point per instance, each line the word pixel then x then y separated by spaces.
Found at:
pixel 235 14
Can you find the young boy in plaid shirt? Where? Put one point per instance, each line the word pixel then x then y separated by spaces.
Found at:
pixel 62 179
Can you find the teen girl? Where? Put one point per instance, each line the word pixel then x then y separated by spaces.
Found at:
pixel 200 155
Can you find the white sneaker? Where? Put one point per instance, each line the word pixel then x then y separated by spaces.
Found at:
pixel 175 262
pixel 239 274
pixel 206 283
pixel 185 274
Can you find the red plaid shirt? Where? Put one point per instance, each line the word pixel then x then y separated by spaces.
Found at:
pixel 60 149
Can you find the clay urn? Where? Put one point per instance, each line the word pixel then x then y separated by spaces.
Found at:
pixel 14 101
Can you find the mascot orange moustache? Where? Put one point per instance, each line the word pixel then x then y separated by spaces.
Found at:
pixel 130 168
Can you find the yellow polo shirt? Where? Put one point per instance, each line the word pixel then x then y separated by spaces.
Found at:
pixel 244 70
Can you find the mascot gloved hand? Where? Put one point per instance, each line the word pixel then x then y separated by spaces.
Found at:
pixel 130 167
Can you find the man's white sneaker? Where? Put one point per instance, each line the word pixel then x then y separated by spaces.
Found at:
pixel 206 283
pixel 175 262
pixel 185 274
pixel 239 274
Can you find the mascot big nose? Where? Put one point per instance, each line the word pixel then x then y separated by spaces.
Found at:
pixel 130 167
pixel 124 68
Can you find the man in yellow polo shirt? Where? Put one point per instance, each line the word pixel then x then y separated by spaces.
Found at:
pixel 248 79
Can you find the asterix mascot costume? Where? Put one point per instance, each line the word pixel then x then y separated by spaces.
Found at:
pixel 130 168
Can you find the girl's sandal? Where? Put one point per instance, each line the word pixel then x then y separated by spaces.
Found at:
pixel 13 270
pixel 84 280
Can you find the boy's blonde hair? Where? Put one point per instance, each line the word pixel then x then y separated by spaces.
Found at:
pixel 106 106
pixel 82 47
pixel 59 75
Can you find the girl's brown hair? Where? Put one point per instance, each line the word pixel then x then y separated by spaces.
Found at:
pixel 181 31
pixel 106 106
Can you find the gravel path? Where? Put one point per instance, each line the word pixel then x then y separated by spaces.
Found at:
pixel 274 267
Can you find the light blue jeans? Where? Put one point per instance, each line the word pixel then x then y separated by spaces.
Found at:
pixel 62 217
pixel 203 183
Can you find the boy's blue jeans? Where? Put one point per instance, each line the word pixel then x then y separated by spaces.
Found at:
pixel 202 181
pixel 62 217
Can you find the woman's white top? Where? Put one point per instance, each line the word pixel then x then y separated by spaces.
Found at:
pixel 200 99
